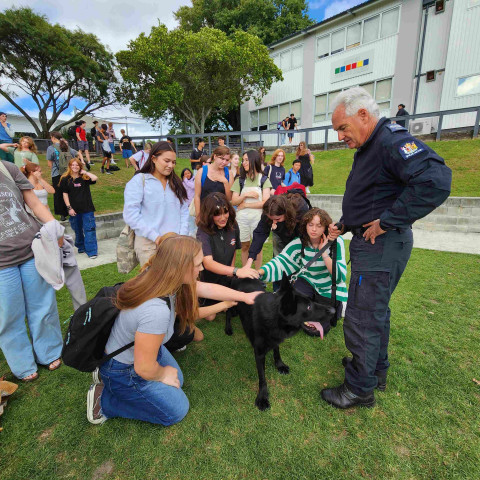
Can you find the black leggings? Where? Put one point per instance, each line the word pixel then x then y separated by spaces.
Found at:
pixel 179 340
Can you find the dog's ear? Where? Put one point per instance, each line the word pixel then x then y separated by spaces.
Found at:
pixel 288 305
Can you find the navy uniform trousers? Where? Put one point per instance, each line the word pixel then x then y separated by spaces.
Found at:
pixel 375 272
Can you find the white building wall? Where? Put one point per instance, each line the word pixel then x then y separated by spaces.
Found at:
pixel 463 60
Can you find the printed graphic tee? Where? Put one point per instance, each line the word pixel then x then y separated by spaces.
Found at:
pixel 17 227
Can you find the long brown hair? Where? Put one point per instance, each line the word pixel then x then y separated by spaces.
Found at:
pixel 281 205
pixel 175 183
pixel 212 205
pixel 64 147
pixel 69 172
pixel 31 144
pixel 301 149
pixel 255 165
pixel 29 168
pixel 164 275
pixel 325 221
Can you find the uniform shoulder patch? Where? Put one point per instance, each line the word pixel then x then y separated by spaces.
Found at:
pixel 409 149
pixel 395 127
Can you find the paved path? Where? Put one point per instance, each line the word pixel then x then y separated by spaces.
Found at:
pixel 442 241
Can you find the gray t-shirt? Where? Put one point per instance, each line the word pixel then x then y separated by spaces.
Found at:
pixel 152 316
pixel 53 156
pixel 17 228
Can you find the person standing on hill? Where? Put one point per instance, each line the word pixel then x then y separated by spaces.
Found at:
pixel 307 160
pixel 401 113
pixel 111 141
pixel 196 155
pixel 102 139
pixel 395 180
pixel 127 146
pixel 292 125
pixel 82 142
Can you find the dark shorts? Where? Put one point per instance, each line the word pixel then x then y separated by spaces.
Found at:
pixel 106 154
pixel 290 135
pixel 82 145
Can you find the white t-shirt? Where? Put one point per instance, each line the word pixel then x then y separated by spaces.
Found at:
pixel 141 157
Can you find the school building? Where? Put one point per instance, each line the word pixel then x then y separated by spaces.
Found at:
pixel 423 54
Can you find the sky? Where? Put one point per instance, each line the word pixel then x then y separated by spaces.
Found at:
pixel 116 23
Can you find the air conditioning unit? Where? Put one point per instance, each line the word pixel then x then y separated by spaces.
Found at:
pixel 422 126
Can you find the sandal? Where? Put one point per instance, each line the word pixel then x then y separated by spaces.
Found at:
pixel 313 329
pixel 30 378
pixel 55 364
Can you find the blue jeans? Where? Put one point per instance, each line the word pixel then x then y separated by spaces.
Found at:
pixel 112 147
pixel 128 395
pixel 83 224
pixel 24 293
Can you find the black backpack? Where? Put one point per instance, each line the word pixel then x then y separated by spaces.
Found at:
pixel 89 329
pixel 93 132
pixel 72 130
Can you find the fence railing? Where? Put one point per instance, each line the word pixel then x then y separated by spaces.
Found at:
pixel 437 123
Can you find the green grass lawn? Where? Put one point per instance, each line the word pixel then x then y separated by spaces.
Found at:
pixel 425 426
pixel 330 173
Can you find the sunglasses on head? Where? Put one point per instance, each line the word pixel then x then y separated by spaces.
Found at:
pixel 219 210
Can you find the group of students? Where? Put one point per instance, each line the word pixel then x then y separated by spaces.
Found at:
pixel 145 381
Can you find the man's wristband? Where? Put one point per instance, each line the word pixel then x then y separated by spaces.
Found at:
pixel 234 273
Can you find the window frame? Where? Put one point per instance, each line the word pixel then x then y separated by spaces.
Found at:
pixel 470 94
pixel 257 111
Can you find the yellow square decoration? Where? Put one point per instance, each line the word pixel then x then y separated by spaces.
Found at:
pixel 360 63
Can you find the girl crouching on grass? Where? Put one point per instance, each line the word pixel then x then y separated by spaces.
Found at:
pixel 75 185
pixel 145 382
pixel 316 281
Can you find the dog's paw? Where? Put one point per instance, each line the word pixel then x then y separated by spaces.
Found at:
pixel 283 369
pixel 262 403
pixel 229 330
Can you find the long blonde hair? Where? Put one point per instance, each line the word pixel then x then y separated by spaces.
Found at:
pixel 163 275
pixel 69 172
pixel 275 155
pixel 31 144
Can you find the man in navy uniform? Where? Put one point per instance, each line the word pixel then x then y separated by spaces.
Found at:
pixel 395 180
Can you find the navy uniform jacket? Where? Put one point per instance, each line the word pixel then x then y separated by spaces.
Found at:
pixel 394 177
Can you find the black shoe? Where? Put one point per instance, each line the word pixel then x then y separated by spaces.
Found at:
pixel 63 218
pixel 103 170
pixel 88 166
pixel 342 397
pixel 108 172
pixel 381 376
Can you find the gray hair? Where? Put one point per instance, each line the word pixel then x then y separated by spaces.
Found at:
pixel 354 99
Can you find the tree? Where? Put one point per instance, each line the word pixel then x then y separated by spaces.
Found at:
pixel 270 20
pixel 53 66
pixel 190 75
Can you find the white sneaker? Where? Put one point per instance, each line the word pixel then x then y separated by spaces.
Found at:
pixel 113 162
pixel 94 410
pixel 182 349
pixel 96 376
pixel 93 257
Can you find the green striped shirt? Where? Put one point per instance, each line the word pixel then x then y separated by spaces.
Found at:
pixel 291 261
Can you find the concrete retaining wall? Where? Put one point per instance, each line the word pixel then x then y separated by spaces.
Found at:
pixel 459 214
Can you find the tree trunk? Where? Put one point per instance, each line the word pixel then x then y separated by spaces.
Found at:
pixel 233 118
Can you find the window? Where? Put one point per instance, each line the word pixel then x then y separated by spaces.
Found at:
pixel 468 86
pixel 370 29
pixel 439 6
pixel 431 76
pixel 383 90
pixel 284 110
pixel 320 108
pixel 285 58
pixel 389 23
pixel 353 35
pixel 273 118
pixel 323 46
pixel 254 120
pixel 338 41
pixel 263 118
pixel 369 87
pixel 331 98
pixel 297 57
pixel 296 108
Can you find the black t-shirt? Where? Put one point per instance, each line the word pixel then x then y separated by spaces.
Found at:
pixel 79 194
pixel 221 246
pixel 126 143
pixel 292 122
pixel 276 176
pixel 196 154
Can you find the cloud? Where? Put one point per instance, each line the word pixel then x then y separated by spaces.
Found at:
pixel 114 23
pixel 317 5
pixel 340 6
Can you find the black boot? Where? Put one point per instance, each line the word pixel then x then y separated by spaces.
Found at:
pixel 342 397
pixel 381 375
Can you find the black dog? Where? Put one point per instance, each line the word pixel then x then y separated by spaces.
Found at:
pixel 270 320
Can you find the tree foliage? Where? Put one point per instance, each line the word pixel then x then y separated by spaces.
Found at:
pixel 270 20
pixel 191 74
pixel 52 65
